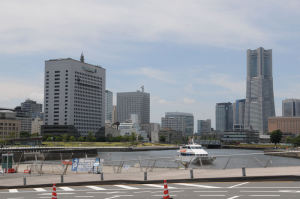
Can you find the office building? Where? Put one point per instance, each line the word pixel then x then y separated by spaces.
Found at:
pixel 108 106
pixel 203 126
pixel 291 108
pixel 285 124
pixel 259 90
pixel 224 117
pixel 178 121
pixel 114 114
pixel 74 97
pixel 133 103
pixel 238 108
pixel 36 125
pixel 33 108
pixel 10 126
pixel 25 118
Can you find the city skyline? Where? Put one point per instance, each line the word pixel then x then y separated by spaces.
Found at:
pixel 184 68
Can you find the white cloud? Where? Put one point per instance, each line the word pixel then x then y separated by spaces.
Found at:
pixel 16 91
pixel 74 24
pixel 187 100
pixel 231 84
pixel 153 74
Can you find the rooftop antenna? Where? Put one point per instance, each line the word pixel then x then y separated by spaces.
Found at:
pixel 143 88
pixel 82 57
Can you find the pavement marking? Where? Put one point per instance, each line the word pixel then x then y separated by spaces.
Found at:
pixel 264 195
pixel 96 188
pixel 237 185
pixel 13 190
pixel 210 191
pixel 159 186
pixel 171 195
pixel 126 187
pixel 49 194
pixel 233 197
pixel 212 195
pixel 39 189
pixel 66 188
pixel 118 196
pixel 197 185
pixel 84 196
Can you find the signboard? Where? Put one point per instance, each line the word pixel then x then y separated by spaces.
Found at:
pixel 85 164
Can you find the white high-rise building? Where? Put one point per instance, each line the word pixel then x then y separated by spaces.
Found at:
pixel 108 106
pixel 74 97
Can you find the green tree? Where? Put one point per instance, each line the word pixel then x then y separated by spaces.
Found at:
pixel 58 138
pixel 65 137
pixel 162 138
pixel 81 139
pixel 72 139
pixel 90 137
pixel 49 139
pixel 276 136
pixel 24 134
pixel 34 135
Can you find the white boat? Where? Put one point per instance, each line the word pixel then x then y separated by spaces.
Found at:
pixel 194 153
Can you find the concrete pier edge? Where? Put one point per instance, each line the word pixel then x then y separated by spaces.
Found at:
pixel 113 182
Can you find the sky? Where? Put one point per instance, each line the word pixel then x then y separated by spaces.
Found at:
pixel 188 54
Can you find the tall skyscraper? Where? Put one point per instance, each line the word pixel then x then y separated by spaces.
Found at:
pixel 224 117
pixel 238 108
pixel 108 106
pixel 203 126
pixel 259 94
pixel 291 108
pixel 133 103
pixel 182 122
pixel 74 97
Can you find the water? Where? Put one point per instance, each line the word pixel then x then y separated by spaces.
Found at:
pixel 239 158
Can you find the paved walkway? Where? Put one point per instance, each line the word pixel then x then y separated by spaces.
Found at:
pixel 137 174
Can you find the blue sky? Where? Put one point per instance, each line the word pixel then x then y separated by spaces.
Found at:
pixel 189 54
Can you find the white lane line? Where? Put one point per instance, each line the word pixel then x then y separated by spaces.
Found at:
pixel 210 191
pixel 49 194
pixel 13 190
pixel 159 186
pixel 126 187
pixel 212 195
pixel 233 197
pixel 264 195
pixel 197 185
pixel 161 195
pixel 66 188
pixel 118 196
pixel 96 188
pixel 39 189
pixel 237 185
pixel 84 196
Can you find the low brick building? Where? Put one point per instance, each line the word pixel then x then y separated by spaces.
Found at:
pixel 285 124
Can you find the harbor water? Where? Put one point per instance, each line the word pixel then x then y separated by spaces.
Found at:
pixel 225 159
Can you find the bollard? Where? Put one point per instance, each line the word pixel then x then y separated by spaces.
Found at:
pixel 192 173
pixel 24 180
pixel 244 171
pixel 62 179
pixel 145 176
pixel 102 177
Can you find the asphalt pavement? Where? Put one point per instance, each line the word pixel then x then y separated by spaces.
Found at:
pixel 226 190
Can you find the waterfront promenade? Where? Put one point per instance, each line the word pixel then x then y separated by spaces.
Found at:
pixel 135 174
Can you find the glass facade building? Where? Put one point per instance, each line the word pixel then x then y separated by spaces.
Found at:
pixel 259 104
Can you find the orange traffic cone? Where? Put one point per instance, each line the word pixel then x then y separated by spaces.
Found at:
pixel 166 191
pixel 54 195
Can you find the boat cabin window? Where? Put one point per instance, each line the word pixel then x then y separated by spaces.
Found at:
pixel 184 147
pixel 196 147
